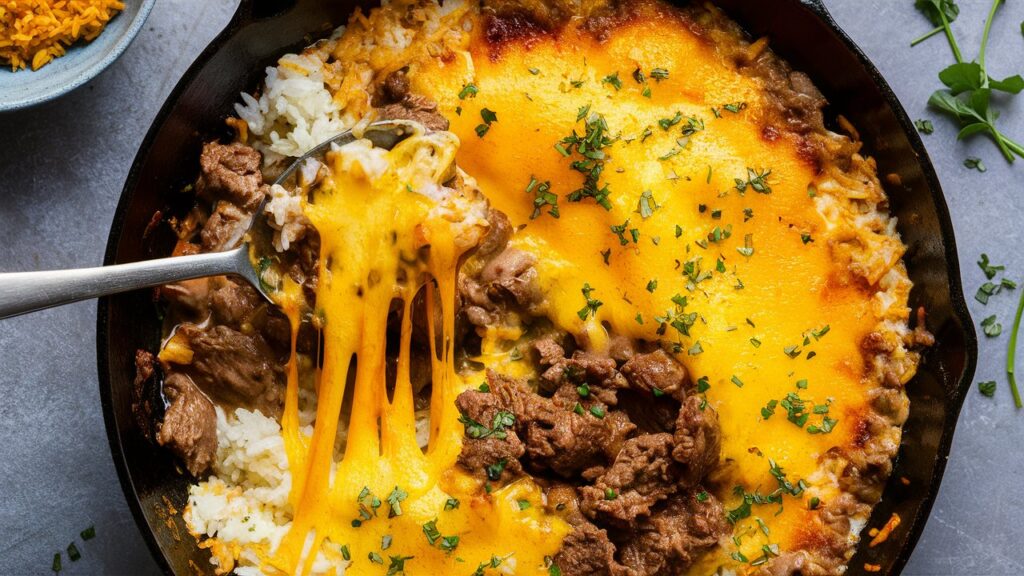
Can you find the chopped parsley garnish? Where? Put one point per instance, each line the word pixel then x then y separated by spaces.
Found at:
pixel 375 558
pixel 502 421
pixel 647 204
pixel 987 388
pixel 769 409
pixel 667 123
pixel 395 501
pixel 975 164
pixel 756 180
pixel 56 565
pixel 652 286
pixel 431 532
pixel 451 504
pixel 73 552
pixel 468 91
pixel 534 71
pixel 748 246
pixel 523 504
pixel 494 471
pixel 924 126
pixel 88 534
pixel 735 107
pixel 610 494
pixel 385 542
pixel 735 380
pixel 489 117
pixel 590 309
pixel 597 411
pixel 988 268
pixel 494 562
pixel 621 230
pixel 543 197
pixel 368 505
pixel 613 80
pixel 703 384
pixel 590 147
pixel 397 565
pixel 991 327
pixel 345 553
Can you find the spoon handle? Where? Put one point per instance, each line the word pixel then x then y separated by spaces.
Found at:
pixel 23 292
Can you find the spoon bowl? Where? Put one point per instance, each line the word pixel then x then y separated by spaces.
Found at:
pixel 24 292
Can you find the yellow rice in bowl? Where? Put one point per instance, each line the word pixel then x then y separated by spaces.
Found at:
pixel 34 32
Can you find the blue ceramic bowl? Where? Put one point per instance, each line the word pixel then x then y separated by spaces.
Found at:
pixel 82 62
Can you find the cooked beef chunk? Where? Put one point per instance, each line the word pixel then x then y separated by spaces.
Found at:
pixel 235 369
pixel 416 108
pixel 650 414
pixel 147 393
pixel 189 426
pixel 587 551
pixel 491 447
pixel 233 304
pixel 557 438
pixel 566 443
pixel 642 475
pixel 669 541
pixel 394 88
pixel 230 172
pixel 225 228
pixel 498 234
pixel 656 373
pixel 697 440
pixel 230 179
pixel 597 372
pixel 507 281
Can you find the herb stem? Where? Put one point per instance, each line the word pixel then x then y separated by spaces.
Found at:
pixel 1012 353
pixel 984 38
pixel 936 30
pixel 952 39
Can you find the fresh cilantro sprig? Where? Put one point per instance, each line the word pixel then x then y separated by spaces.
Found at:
pixel 968 97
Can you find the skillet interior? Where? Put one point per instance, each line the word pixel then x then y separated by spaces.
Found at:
pixel 195 110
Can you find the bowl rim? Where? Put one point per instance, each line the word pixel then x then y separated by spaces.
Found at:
pixel 243 16
pixel 80 77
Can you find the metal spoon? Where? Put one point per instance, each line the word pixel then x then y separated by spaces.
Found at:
pixel 23 292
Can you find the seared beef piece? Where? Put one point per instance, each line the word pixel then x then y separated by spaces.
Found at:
pixel 235 369
pixel 598 372
pixel 496 456
pixel 189 427
pixel 567 443
pixel 230 172
pixel 650 414
pixel 507 281
pixel 642 475
pixel 225 228
pixel 621 349
pixel 498 234
pixel 656 371
pixel 697 440
pixel 670 540
pixel 587 551
pixel 147 393
pixel 556 437
pixel 396 102
pixel 233 304
pixel 230 179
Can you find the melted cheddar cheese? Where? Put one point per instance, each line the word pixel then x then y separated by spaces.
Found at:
pixel 376 213
pixel 664 201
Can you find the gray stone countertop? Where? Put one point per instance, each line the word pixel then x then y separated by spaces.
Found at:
pixel 62 166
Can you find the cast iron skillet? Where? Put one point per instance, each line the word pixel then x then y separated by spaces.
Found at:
pixel 800 30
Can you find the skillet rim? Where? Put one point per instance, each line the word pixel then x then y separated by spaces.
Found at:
pixel 245 15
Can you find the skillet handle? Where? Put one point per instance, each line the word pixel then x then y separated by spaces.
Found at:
pixel 23 292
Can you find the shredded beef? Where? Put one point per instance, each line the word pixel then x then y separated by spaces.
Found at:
pixel 656 373
pixel 234 368
pixel 642 475
pixel 496 456
pixel 189 426
pixel 669 541
pixel 697 440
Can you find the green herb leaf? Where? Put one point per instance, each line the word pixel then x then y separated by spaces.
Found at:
pixel 987 388
pixel 991 327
